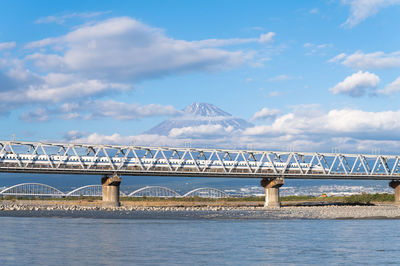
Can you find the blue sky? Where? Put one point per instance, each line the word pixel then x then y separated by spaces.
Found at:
pixel 310 75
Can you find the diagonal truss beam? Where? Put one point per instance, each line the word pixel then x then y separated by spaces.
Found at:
pixel 137 160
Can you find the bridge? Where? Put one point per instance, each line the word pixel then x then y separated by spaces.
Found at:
pixel 43 190
pixel 272 167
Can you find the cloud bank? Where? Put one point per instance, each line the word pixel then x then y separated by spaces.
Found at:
pixel 104 58
pixel 306 128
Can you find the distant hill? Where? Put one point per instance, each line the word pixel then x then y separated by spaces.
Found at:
pixel 198 114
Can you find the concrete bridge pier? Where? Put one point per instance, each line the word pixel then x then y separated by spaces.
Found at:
pixel 111 190
pixel 396 185
pixel 272 186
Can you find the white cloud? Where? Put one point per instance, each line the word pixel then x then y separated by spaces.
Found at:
pixel 304 129
pixel 202 130
pixel 56 87
pixel 124 111
pixel 102 58
pixel 360 60
pixel 100 109
pixel 79 89
pixel 312 48
pixel 126 49
pixel 338 123
pixel 362 9
pixel 7 45
pixel 61 19
pixel 266 114
pixel 337 58
pixel 264 38
pixel 357 84
pixel 391 88
pixel 37 115
pixel 74 135
pixel 149 140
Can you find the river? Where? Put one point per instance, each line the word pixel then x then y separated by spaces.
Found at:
pixel 83 241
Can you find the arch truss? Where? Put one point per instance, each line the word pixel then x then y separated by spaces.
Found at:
pixel 154 191
pixel 88 191
pixel 206 193
pixel 31 189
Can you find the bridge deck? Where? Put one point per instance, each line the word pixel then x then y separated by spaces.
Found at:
pixel 88 159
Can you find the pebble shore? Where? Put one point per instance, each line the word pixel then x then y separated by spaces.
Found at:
pixel 201 212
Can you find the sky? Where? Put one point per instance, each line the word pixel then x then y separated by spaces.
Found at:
pixel 310 75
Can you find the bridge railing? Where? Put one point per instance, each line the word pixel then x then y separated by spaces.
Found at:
pixel 137 160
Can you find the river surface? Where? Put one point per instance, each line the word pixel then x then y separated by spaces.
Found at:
pixel 83 241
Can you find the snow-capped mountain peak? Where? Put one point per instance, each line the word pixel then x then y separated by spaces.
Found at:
pixel 204 109
pixel 198 115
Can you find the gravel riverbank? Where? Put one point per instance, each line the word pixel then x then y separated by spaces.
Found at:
pixel 27 209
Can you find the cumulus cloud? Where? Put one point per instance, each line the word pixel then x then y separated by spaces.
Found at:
pixel 357 84
pixel 362 9
pixel 391 88
pixel 266 114
pixel 350 123
pixel 202 130
pixel 360 60
pixel 106 57
pixel 125 49
pixel 304 129
pixel 55 87
pixel 7 45
pixel 116 138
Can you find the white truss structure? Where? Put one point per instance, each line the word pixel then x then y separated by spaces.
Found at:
pixel 206 193
pixel 43 190
pixel 68 158
pixel 154 191
pixel 86 191
pixel 32 189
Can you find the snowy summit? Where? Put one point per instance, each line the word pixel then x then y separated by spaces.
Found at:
pixel 197 115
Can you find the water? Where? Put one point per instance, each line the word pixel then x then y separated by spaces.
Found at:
pixel 66 241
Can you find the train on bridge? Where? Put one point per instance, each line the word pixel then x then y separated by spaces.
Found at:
pixel 152 164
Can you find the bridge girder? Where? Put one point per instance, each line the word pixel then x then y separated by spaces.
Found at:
pixel 94 159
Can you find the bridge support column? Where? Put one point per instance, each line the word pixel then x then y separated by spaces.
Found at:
pixel 272 186
pixel 396 185
pixel 111 190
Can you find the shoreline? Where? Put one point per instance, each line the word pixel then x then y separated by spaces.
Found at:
pixel 77 209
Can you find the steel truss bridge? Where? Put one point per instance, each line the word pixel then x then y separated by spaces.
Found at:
pixel 43 190
pixel 92 159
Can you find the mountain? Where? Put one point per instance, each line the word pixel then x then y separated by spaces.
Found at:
pixel 198 114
